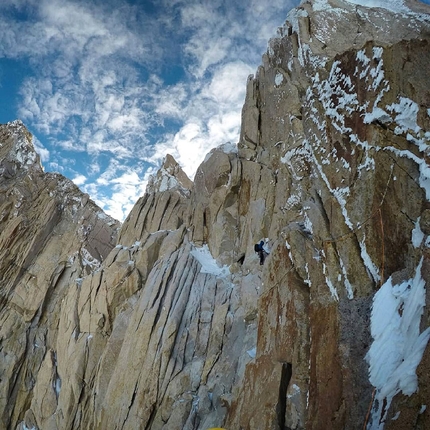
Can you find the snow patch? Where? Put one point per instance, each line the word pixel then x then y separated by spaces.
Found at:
pixel 417 234
pixel 293 18
pixel 398 345
pixel 227 148
pixel 377 114
pixel 407 111
pixel 23 151
pixel 89 260
pixel 57 386
pixel 167 182
pixel 362 57
pixel 308 223
pixel 307 281
pixel 370 265
pixel 397 6
pixel 295 390
pixel 279 78
pixel 288 246
pixel 208 263
pixel 293 200
pixel 306 55
pixel 396 417
pixel 330 285
pixel 348 285
pixel 424 178
pixel 319 5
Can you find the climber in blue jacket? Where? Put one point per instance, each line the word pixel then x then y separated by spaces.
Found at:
pixel 258 248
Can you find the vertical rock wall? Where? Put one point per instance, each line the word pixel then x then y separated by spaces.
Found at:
pixel 51 235
pixel 339 116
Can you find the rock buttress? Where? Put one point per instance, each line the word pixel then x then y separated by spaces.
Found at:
pixel 340 120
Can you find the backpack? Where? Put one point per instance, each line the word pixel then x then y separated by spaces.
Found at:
pixel 257 247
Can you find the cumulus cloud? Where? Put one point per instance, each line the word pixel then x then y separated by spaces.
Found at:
pixel 41 150
pixel 213 118
pixel 79 180
pixel 117 189
pixel 100 95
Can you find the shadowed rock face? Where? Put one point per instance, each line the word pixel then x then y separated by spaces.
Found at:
pixel 172 323
pixel 51 235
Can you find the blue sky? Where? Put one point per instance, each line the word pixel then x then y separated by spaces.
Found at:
pixel 108 87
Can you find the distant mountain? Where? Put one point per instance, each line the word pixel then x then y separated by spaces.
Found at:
pixel 169 321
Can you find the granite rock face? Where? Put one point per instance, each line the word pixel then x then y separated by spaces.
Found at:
pixel 339 115
pixel 51 236
pixel 172 323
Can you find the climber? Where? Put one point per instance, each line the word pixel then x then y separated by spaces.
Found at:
pixel 258 248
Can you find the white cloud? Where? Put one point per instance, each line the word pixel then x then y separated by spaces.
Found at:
pixel 54 166
pixel 226 32
pixel 98 86
pixel 170 101
pixel 126 188
pixel 213 115
pixel 228 85
pixel 41 150
pixel 79 180
pixel 85 57
pixel 208 51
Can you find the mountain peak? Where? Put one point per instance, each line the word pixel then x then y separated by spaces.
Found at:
pixel 170 177
pixel 17 149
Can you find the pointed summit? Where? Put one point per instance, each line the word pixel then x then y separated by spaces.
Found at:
pixel 164 206
pixel 16 149
pixel 170 177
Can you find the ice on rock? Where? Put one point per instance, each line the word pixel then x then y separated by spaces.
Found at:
pixel 398 345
